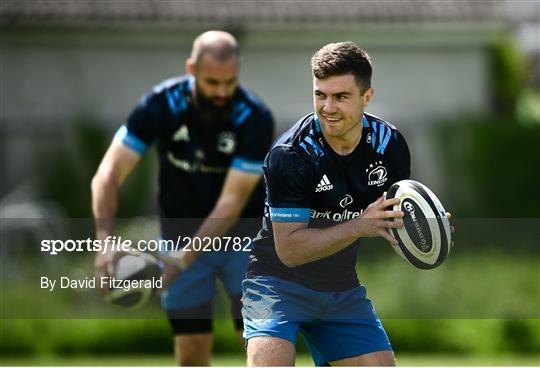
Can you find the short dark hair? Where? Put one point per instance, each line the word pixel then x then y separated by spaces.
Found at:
pixel 340 59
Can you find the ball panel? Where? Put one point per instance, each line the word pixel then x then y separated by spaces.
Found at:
pixel 409 250
pixel 439 214
pixel 134 267
pixel 424 239
pixel 129 265
pixel 416 225
pixel 132 299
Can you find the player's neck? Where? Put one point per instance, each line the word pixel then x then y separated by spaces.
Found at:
pixel 193 94
pixel 345 144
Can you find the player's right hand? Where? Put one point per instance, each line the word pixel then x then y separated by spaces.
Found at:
pixel 374 220
pixel 104 265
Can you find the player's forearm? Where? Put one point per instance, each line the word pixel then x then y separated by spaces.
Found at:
pixel 218 223
pixel 220 220
pixel 308 244
pixel 104 205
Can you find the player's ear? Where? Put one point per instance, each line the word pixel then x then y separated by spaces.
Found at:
pixel 190 66
pixel 368 96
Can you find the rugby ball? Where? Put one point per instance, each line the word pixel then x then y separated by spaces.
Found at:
pixel 424 240
pixel 143 268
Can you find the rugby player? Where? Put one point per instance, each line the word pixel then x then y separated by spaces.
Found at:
pixel 325 181
pixel 211 136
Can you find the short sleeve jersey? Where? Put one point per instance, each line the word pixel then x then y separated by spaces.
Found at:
pixel 195 155
pixel 306 181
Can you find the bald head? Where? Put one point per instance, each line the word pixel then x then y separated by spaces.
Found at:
pixel 222 46
pixel 214 64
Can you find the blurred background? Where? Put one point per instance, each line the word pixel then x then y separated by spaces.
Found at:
pixel 460 79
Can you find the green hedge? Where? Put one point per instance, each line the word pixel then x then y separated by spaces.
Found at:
pixel 490 336
pixel 65 170
pixel 490 291
pixel 87 337
pixel 491 167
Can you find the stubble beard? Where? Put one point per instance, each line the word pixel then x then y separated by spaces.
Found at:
pixel 211 112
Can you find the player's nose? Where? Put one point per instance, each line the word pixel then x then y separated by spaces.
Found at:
pixel 222 92
pixel 329 106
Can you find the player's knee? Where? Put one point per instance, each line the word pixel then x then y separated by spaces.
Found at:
pixel 193 350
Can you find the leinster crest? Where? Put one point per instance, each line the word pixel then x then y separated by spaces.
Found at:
pixel 226 142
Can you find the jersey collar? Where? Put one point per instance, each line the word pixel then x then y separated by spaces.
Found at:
pixel 366 130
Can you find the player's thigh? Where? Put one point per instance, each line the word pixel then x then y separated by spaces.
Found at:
pixel 383 358
pixel 188 300
pixel 233 271
pixel 272 309
pixel 351 328
pixel 193 287
pixel 236 312
pixel 335 341
pixel 264 351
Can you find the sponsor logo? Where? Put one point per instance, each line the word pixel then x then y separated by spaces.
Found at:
pixel 377 174
pixel 183 165
pixel 188 166
pixel 346 201
pixel 344 215
pixel 368 138
pixel 324 185
pixel 226 142
pixel 181 134
pixel 335 216
pixel 410 208
pixel 199 154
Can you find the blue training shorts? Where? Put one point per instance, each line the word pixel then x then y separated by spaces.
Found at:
pixel 197 285
pixel 335 325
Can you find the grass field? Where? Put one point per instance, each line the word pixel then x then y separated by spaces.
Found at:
pixel 237 360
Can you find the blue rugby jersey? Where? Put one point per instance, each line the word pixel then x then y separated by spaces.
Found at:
pixel 194 155
pixel 306 181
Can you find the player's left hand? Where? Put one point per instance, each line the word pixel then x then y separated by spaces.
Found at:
pixel 174 264
pixel 452 229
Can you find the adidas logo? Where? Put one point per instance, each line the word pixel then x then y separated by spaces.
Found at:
pixel 324 185
pixel 181 134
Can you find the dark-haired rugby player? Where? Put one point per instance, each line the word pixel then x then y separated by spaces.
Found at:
pixel 325 180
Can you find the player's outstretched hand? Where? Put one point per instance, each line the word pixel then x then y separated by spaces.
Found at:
pixel 374 221
pixel 452 229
